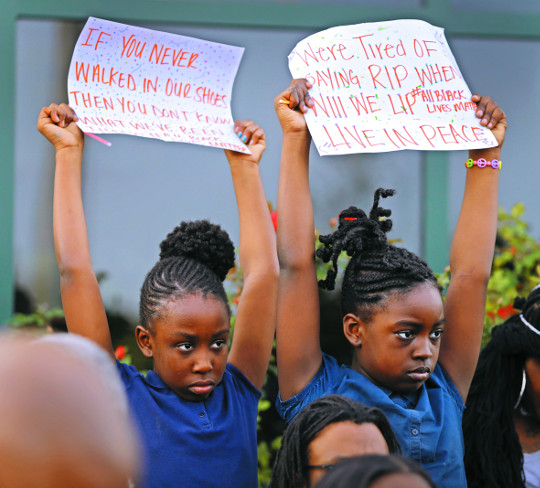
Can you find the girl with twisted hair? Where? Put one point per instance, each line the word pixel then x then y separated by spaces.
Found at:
pixel 393 313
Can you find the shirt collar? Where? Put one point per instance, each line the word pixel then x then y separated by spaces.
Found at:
pixel 154 380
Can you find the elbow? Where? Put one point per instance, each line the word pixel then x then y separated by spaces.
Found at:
pixel 297 261
pixel 266 269
pixel 475 276
pixel 70 271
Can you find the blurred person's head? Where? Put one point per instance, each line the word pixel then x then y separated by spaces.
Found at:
pixel 329 429
pixel 377 471
pixel 62 424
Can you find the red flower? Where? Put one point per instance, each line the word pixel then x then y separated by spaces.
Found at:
pixel 513 249
pixel 333 222
pixel 120 353
pixel 491 315
pixel 236 300
pixel 273 216
pixel 505 312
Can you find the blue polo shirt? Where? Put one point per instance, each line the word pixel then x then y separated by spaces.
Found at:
pixel 207 444
pixel 427 423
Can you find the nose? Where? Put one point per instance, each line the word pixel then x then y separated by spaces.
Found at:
pixel 423 349
pixel 202 363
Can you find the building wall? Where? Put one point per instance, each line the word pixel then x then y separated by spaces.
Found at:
pixel 136 191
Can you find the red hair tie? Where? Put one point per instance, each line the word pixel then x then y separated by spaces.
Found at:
pixel 350 218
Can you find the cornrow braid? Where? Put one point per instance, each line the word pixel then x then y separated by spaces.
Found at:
pixel 493 455
pixel 195 258
pixel 376 267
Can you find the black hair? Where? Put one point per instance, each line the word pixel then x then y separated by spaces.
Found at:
pixel 377 268
pixel 195 258
pixel 362 471
pixel 290 467
pixel 493 455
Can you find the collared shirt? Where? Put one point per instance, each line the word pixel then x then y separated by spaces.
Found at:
pixel 185 444
pixel 531 468
pixel 427 423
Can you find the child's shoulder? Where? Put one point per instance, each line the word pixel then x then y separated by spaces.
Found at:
pixel 441 379
pixel 237 379
pixel 129 375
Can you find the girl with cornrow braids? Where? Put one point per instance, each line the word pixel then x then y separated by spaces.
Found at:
pixel 196 410
pixel 501 424
pixel 393 313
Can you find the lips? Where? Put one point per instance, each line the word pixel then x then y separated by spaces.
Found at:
pixel 419 374
pixel 202 387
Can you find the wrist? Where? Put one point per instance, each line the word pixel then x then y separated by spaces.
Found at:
pixel 69 151
pixel 488 153
pixel 243 163
pixel 297 138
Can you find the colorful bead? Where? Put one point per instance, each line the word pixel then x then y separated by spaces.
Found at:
pixel 482 163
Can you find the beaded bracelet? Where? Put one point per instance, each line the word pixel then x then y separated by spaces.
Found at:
pixel 482 163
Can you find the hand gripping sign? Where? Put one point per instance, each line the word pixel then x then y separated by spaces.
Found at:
pixel 142 82
pixel 386 86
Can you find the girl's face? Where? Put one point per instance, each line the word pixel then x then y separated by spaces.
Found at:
pixel 532 388
pixel 399 347
pixel 189 345
pixel 340 440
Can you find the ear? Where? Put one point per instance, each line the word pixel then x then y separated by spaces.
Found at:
pixel 353 328
pixel 144 340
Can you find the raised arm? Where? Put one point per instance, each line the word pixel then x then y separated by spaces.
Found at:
pixel 255 322
pixel 298 338
pixel 81 298
pixel 471 256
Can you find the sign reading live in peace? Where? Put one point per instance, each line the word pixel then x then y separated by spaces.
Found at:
pixel 386 86
pixel 142 82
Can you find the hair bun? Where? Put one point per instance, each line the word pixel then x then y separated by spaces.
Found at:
pixel 201 241
pixel 519 302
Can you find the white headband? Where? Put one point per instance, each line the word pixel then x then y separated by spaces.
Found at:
pixel 524 320
pixel 523 382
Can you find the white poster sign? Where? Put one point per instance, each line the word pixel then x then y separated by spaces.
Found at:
pixel 129 80
pixel 386 86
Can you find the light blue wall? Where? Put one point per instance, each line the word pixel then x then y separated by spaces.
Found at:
pixel 136 191
pixel 509 71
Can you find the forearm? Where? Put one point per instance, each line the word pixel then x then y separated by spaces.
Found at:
pixel 81 298
pixel 257 236
pixel 70 234
pixel 295 210
pixel 297 338
pixel 252 346
pixel 473 244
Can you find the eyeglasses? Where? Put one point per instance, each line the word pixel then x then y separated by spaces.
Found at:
pixel 328 467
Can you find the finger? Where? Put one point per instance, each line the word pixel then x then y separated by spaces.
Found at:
pixel 54 113
pixel 248 132
pixel 44 117
pixel 257 136
pixel 490 108
pixel 301 88
pixel 69 113
pixel 241 128
pixel 293 96
pixel 482 103
pixel 45 113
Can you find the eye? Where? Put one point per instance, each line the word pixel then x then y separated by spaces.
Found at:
pixel 405 335
pixel 436 334
pixel 185 346
pixel 219 344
